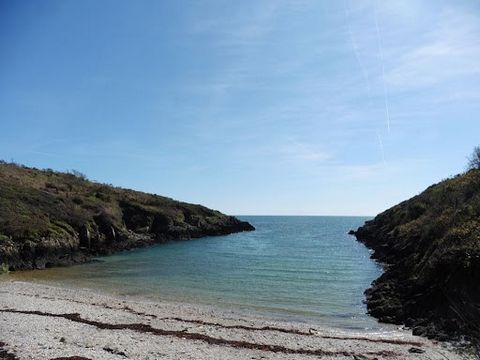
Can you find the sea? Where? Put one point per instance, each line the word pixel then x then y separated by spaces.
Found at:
pixel 292 268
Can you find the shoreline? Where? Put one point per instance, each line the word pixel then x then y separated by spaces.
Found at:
pixel 224 308
pixel 46 322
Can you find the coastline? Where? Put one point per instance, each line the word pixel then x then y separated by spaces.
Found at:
pixel 47 322
pixel 429 245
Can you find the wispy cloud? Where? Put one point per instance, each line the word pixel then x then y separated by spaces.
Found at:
pixel 240 29
pixel 382 65
pixel 382 150
pixel 355 48
pixel 449 51
pixel 297 151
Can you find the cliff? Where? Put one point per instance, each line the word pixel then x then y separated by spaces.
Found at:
pixel 50 218
pixel 430 245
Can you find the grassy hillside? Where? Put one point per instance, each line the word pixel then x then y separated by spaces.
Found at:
pixel 49 218
pixel 431 247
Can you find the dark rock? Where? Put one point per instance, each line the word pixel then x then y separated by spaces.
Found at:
pixel 5 354
pixel 360 357
pixel 415 350
pixel 430 250
pixel 419 331
pixel 115 351
pixel 161 224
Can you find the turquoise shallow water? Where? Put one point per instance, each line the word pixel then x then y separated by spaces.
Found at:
pixel 290 268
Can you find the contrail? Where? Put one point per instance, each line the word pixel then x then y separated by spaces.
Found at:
pixel 380 142
pixel 380 50
pixel 355 47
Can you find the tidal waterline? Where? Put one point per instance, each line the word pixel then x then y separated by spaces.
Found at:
pixel 301 268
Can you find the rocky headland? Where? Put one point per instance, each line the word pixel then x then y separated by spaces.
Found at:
pixel 49 218
pixel 430 246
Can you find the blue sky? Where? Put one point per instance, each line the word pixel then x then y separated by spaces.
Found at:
pixel 250 107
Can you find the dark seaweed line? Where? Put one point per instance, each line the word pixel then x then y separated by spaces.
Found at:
pixel 297 332
pixel 243 327
pixel 4 354
pixel 105 306
pixel 144 328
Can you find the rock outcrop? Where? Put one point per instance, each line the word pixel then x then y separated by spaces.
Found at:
pixel 430 246
pixel 50 219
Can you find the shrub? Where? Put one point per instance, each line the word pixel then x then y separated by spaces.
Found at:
pixel 78 174
pixel 474 159
pixel 3 268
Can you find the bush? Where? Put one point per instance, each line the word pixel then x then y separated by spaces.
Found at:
pixel 3 268
pixel 78 174
pixel 474 159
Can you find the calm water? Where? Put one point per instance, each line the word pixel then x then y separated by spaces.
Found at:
pixel 291 268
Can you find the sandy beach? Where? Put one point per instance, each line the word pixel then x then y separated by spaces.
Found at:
pixel 46 322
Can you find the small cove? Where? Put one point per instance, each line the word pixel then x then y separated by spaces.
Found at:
pixel 299 268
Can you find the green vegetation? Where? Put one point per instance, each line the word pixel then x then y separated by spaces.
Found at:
pixel 49 218
pixel 431 244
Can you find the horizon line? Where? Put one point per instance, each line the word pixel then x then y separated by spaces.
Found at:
pixel 305 215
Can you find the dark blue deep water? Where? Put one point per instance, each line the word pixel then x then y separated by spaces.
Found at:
pixel 291 268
